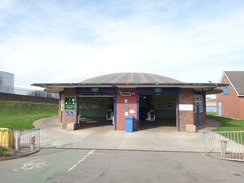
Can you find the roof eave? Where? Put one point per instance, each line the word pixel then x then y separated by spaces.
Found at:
pixel 128 84
pixel 58 87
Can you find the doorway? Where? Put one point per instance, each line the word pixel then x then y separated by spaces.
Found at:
pixel 96 111
pixel 220 109
pixel 161 109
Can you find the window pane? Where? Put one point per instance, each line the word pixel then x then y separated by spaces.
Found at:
pixel 226 90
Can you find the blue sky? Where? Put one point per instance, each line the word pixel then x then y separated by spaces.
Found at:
pixel 50 41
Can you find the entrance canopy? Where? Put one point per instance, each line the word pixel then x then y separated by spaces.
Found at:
pixel 133 80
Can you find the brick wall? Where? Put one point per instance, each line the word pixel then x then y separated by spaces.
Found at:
pixel 26 98
pixel 203 114
pixel 120 112
pixel 231 104
pixel 186 96
pixel 63 116
pixel 241 107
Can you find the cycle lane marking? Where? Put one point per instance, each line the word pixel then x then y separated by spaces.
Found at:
pixel 29 165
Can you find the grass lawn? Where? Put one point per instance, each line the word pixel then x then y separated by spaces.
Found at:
pixel 228 124
pixel 17 115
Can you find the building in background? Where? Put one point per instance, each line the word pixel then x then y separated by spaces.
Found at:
pixel 6 82
pixel 211 105
pixel 230 103
pixel 7 86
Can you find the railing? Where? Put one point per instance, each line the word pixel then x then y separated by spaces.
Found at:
pixel 17 143
pixel 225 145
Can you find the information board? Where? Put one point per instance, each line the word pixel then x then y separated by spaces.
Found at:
pixel 69 103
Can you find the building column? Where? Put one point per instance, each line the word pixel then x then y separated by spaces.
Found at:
pixel 126 106
pixel 186 109
pixel 204 115
pixel 69 100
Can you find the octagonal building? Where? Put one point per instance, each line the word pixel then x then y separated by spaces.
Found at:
pixel 150 101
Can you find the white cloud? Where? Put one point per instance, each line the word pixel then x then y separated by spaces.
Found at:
pixel 67 43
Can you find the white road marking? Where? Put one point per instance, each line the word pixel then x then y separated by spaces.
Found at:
pixel 84 158
pixel 38 163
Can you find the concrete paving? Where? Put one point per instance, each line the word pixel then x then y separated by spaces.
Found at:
pixel 52 135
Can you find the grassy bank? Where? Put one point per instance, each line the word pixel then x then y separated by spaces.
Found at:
pixel 20 115
pixel 228 124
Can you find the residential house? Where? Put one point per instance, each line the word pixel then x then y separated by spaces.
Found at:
pixel 230 103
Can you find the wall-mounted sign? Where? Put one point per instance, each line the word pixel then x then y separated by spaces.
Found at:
pixel 69 103
pixel 186 107
pixel 126 107
pixel 69 113
pixel 95 89
pixel 157 90
pixel 126 94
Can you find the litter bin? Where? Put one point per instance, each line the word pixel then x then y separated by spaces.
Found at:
pixel 129 123
pixel 6 138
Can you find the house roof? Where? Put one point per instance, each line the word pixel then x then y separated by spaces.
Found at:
pixel 132 80
pixel 236 79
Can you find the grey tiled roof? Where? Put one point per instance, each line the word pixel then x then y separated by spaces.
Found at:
pixel 138 78
pixel 237 80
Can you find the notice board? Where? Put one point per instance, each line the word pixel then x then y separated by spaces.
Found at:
pixel 69 103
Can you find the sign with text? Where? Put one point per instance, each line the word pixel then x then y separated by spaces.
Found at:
pixel 186 107
pixel 95 89
pixel 69 113
pixel 157 90
pixel 69 103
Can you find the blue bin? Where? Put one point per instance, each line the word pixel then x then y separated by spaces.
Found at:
pixel 129 123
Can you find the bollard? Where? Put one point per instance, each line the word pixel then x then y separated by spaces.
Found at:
pixel 32 143
pixel 223 148
pixel 17 135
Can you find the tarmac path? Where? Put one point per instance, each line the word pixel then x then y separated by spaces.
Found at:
pixel 120 166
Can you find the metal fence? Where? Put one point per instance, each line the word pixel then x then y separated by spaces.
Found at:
pixel 27 91
pixel 225 145
pixel 16 143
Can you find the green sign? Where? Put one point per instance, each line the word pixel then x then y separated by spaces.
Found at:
pixel 69 103
pixel 95 89
pixel 157 90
